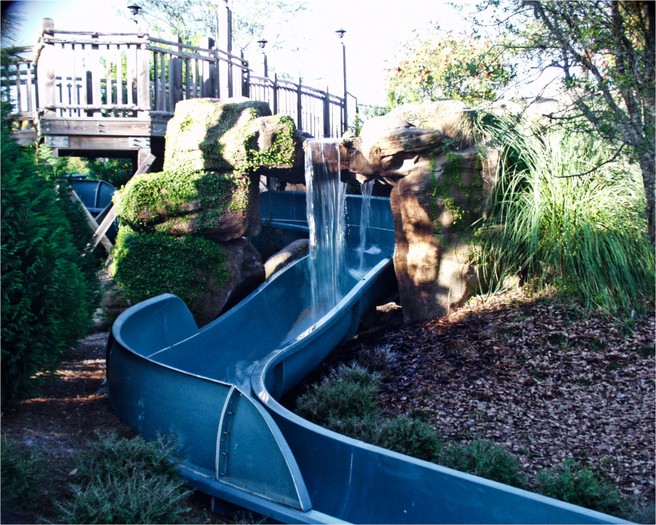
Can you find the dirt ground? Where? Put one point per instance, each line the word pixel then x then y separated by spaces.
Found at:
pixel 546 380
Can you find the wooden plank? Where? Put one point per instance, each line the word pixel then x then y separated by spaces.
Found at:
pixel 118 127
pixel 91 222
pixel 100 234
pixel 95 142
pixel 143 81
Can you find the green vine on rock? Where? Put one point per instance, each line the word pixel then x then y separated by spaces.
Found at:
pixel 180 265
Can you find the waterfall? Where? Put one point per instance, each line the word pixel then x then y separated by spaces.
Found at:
pixel 326 195
pixel 366 189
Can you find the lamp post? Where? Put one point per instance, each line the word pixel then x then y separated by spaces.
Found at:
pixel 341 32
pixel 135 10
pixel 265 63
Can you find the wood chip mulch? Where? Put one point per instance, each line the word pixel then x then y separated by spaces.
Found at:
pixel 548 381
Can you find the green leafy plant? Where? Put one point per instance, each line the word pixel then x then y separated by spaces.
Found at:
pixel 115 171
pixel 557 221
pixel 127 481
pixel 579 485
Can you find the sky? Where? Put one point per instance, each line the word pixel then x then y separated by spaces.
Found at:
pixel 375 32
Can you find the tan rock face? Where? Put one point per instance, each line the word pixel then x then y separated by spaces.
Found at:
pixel 440 181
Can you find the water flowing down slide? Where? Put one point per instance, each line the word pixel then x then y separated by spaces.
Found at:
pixel 217 388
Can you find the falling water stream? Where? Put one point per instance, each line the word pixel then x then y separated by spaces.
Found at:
pixel 365 213
pixel 325 196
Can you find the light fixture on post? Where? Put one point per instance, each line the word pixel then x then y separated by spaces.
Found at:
pixel 341 32
pixel 265 63
pixel 135 10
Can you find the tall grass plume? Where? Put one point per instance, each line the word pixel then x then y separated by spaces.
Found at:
pixel 562 218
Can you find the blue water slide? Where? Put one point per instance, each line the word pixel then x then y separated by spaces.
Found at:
pixel 217 389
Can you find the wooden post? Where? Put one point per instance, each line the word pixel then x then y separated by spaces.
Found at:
pixel 95 227
pixel 45 72
pixel 275 94
pixel 299 105
pixel 143 79
pixel 326 114
pixel 145 159
pixel 175 81
pixel 245 77
pixel 208 74
pixel 224 41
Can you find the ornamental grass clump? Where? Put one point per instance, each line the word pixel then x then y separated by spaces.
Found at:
pixel 347 402
pixel 349 391
pixel 562 218
pixel 486 459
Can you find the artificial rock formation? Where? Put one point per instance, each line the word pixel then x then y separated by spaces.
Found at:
pixel 283 258
pixel 215 153
pixel 439 181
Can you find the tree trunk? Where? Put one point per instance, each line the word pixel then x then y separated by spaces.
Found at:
pixel 647 166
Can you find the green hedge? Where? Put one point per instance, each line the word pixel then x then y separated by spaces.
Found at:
pixel 47 299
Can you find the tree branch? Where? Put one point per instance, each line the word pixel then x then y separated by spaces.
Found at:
pixel 584 173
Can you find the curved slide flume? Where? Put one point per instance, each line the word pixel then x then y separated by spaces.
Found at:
pixel 217 390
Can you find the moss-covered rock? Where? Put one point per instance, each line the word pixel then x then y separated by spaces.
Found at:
pixel 204 273
pixel 222 206
pixel 180 265
pixel 271 142
pixel 208 192
pixel 237 135
pixel 208 134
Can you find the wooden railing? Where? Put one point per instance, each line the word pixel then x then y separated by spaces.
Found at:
pixel 18 87
pixel 89 79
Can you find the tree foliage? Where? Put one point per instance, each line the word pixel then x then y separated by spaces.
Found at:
pixel 605 52
pixel 441 68
pixel 194 19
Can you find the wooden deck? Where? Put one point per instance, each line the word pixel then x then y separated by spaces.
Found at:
pixel 96 94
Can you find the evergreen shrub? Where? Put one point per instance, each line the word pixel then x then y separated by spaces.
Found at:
pixel 579 485
pixel 47 298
